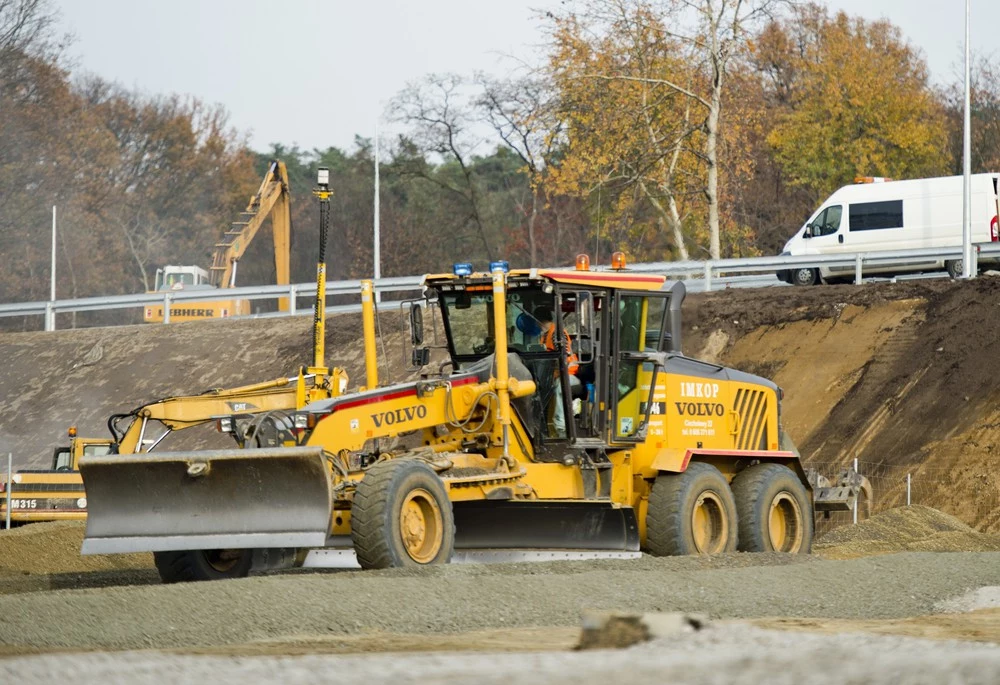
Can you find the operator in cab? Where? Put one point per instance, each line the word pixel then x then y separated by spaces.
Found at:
pixel 548 339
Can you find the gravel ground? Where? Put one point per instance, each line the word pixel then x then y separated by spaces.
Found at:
pixel 722 654
pixel 450 599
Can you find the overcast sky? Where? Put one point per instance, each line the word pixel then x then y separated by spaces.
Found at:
pixel 317 73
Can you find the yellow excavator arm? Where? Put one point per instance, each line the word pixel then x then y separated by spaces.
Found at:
pixel 271 199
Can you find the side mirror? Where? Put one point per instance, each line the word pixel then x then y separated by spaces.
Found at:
pixel 808 233
pixel 421 357
pixel 416 324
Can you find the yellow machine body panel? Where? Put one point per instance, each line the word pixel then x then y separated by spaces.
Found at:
pixel 181 312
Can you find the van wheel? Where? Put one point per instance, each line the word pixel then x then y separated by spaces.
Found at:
pixel 955 267
pixel 691 513
pixel 804 276
pixel 774 509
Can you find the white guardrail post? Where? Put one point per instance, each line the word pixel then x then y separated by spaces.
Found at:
pixel 857 269
pixel 292 294
pixel 50 317
pixel 166 307
pixel 708 276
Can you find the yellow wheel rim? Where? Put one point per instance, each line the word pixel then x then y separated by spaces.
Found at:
pixel 421 526
pixel 709 524
pixel 784 524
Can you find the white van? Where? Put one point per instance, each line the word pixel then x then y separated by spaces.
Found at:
pixel 893 215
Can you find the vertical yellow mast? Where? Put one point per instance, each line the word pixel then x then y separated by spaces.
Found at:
pixel 368 321
pixel 500 352
pixel 323 192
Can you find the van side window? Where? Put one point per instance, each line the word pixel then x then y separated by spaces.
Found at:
pixel 828 221
pixel 868 216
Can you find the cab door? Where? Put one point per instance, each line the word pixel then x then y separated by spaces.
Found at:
pixel 637 319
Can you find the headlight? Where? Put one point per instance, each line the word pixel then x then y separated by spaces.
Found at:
pixel 301 421
pixel 224 424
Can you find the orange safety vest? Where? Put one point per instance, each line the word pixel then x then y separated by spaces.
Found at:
pixel 548 339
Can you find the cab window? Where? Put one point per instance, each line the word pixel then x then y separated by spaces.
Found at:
pixel 96 450
pixel 827 222
pixel 63 460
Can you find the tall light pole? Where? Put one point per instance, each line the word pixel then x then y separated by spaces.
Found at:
pixel 378 242
pixel 967 157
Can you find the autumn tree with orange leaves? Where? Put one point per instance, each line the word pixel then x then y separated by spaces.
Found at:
pixel 852 98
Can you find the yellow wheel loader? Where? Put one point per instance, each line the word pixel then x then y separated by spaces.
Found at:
pixel 53 494
pixel 601 439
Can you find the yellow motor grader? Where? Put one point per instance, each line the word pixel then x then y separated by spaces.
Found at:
pixel 504 451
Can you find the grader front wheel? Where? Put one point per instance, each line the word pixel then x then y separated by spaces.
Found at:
pixel 402 516
pixel 691 513
pixel 203 564
pixel 774 511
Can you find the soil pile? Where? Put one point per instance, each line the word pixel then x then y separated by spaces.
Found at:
pixel 906 529
pixel 54 547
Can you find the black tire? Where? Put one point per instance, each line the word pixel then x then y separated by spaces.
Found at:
pixel 203 564
pixel 804 276
pixel 677 500
pixel 955 267
pixel 390 492
pixel 775 510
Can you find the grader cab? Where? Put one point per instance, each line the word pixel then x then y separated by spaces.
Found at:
pixel 565 420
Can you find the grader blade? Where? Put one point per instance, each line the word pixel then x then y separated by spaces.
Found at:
pixel 212 499
pixel 545 524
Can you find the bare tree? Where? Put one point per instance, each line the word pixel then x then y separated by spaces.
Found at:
pixel 439 114
pixel 523 112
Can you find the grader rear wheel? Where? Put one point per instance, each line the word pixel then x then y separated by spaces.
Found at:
pixel 774 511
pixel 402 517
pixel 691 513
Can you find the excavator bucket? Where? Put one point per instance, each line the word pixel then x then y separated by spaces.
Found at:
pixel 212 499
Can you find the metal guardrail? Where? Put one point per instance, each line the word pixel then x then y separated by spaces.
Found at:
pixel 704 276
pixel 50 308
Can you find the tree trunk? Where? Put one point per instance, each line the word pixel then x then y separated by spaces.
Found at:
pixel 532 250
pixel 671 218
pixel 712 159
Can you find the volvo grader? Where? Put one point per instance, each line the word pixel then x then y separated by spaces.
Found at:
pixel 656 451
